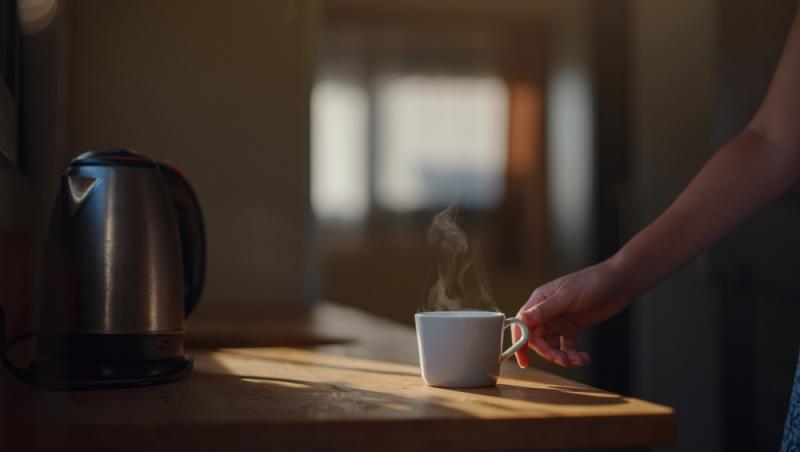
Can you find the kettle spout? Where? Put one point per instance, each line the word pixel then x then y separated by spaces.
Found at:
pixel 75 190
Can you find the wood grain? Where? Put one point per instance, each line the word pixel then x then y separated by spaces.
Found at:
pixel 363 391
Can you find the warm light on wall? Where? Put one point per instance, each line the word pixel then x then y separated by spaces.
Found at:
pixel 524 131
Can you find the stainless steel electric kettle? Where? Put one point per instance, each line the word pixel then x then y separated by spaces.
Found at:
pixel 124 266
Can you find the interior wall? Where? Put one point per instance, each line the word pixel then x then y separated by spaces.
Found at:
pixel 30 182
pixel 756 266
pixel 570 135
pixel 222 90
pixel 610 42
pixel 676 325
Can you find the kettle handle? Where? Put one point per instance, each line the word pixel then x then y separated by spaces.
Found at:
pixel 192 232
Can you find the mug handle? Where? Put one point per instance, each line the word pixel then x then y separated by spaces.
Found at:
pixel 192 233
pixel 516 345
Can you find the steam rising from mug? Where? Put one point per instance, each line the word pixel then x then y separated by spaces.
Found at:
pixel 461 282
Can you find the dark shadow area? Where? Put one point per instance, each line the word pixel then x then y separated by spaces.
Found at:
pixel 584 390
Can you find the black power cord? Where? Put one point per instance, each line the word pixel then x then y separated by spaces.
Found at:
pixel 19 338
pixel 22 374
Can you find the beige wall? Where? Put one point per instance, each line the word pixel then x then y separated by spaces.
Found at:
pixel 222 90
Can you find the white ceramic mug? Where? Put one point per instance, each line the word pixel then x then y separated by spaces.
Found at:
pixel 463 349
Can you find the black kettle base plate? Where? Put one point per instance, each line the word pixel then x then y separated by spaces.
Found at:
pixel 64 375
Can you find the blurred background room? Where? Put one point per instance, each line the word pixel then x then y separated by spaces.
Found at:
pixel 323 136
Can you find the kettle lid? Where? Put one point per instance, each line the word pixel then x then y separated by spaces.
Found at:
pixel 113 157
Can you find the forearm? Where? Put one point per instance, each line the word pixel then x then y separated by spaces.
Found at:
pixel 745 174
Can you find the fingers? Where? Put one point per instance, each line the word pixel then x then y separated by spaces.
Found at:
pixel 522 353
pixel 563 326
pixel 552 334
pixel 547 309
pixel 555 347
pixel 542 293
pixel 547 346
pixel 538 295
pixel 576 358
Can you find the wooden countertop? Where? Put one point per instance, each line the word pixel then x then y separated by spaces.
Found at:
pixel 332 378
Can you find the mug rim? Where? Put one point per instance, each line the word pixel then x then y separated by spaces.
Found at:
pixel 475 314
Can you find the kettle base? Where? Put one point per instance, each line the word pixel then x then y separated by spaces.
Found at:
pixel 58 374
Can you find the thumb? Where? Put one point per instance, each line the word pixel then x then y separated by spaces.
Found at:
pixel 521 354
pixel 547 309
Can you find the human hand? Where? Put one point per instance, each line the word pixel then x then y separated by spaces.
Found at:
pixel 559 311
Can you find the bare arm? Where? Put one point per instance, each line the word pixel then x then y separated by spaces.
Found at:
pixel 752 169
